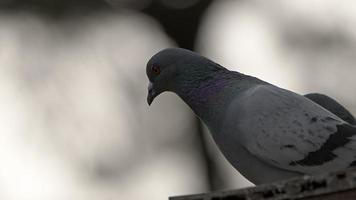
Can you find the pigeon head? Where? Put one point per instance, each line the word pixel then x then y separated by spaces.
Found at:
pixel 172 68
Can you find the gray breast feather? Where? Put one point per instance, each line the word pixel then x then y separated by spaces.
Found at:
pixel 292 132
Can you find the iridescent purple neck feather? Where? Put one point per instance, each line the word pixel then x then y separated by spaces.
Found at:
pixel 203 92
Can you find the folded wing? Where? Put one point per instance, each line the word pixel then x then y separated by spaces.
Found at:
pixel 292 132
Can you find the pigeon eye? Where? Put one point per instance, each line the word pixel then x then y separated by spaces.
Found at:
pixel 156 70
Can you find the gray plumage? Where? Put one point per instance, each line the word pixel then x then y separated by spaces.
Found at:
pixel 267 133
pixel 333 106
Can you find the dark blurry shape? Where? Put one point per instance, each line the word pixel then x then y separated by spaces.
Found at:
pixel 182 4
pixel 180 24
pixel 133 4
pixel 5 1
pixel 56 8
pixel 332 105
pixel 208 160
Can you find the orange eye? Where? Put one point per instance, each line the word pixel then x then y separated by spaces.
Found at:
pixel 156 70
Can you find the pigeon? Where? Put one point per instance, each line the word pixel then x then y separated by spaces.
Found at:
pixel 266 132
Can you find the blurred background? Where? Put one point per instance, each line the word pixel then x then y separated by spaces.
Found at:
pixel 74 122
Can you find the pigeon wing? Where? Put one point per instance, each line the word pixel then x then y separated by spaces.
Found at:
pixel 292 132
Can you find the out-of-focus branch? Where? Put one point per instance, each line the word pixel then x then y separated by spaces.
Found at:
pixel 207 160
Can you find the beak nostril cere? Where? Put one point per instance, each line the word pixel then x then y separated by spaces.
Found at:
pixel 150 87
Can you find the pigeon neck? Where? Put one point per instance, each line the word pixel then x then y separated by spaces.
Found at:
pixel 209 95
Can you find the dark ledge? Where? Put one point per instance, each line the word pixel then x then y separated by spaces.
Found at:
pixel 334 186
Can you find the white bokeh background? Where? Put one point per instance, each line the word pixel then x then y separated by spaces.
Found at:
pixel 74 118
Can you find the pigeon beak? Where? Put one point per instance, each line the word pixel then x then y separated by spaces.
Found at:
pixel 151 93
